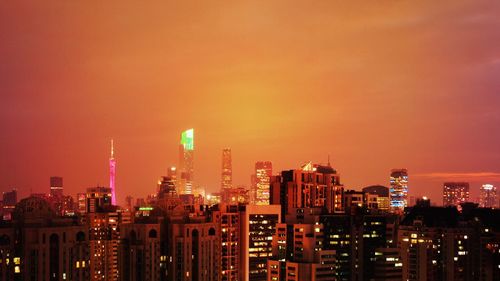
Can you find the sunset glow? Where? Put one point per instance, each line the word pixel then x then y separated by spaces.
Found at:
pixel 374 84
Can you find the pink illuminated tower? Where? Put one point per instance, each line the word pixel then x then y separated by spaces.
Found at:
pixel 112 173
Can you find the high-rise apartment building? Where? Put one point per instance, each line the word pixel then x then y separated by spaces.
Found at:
pixel 186 163
pixel 488 196
pixel 308 187
pixel 298 254
pixel 227 169
pixel 354 237
pixel 399 189
pixel 140 251
pixel 258 225
pixel 298 249
pixel 103 221
pixel 230 237
pixel 455 193
pixel 193 245
pixel 260 182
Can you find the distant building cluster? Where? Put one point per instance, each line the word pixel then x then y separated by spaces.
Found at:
pixel 299 224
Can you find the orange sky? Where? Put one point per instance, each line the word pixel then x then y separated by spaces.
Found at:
pixel 374 84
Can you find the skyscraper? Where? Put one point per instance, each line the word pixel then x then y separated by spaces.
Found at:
pixel 260 186
pixel 112 174
pixel 455 193
pixel 311 186
pixel 186 162
pixel 227 169
pixel 399 189
pixel 56 187
pixel 488 196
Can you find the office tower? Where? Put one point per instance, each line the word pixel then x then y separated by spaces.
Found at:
pixel 455 193
pixel 260 184
pixel 40 245
pixel 112 174
pixel 103 221
pixel 227 169
pixel 186 163
pixel 62 205
pixel 56 187
pixel 488 196
pixel 382 192
pixel 311 186
pixel 9 203
pixel 81 199
pixel 258 225
pixel 229 241
pixel 399 190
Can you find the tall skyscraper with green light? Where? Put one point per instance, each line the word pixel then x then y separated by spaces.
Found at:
pixel 186 162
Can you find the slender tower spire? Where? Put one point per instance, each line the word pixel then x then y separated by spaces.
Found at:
pixel 112 173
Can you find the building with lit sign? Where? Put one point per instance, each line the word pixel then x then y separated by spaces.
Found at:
pixel 186 163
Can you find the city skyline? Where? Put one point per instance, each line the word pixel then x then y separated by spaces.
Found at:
pixel 250 140
pixel 435 197
pixel 375 86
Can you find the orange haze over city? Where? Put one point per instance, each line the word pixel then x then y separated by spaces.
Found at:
pixel 374 85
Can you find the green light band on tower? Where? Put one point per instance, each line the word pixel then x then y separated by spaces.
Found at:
pixel 187 139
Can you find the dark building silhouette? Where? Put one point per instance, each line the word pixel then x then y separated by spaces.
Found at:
pixel 441 243
pixel 39 245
